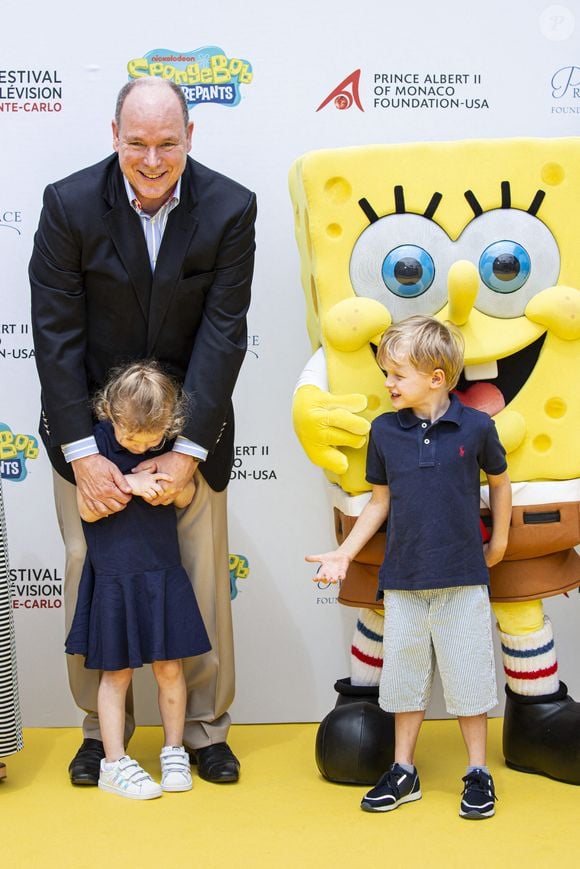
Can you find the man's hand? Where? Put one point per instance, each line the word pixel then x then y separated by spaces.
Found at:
pixel 179 467
pixel 101 487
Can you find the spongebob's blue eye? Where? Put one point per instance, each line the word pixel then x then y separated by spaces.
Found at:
pixel 390 263
pixel 505 266
pixel 408 271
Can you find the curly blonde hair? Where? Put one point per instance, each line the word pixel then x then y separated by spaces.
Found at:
pixel 427 344
pixel 141 397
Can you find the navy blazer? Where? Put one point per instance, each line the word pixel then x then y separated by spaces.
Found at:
pixel 96 303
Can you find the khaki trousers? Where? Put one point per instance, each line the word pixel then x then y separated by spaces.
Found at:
pixel 203 541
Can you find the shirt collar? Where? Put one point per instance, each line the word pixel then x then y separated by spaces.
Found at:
pixel 407 418
pixel 136 205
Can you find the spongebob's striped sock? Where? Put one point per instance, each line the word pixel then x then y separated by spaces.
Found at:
pixel 366 653
pixel 530 663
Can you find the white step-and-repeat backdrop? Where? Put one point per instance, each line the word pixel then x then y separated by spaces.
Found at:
pixel 274 81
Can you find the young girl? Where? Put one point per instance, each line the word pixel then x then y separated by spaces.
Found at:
pixel 135 604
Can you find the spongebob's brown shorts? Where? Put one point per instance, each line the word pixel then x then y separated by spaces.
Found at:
pixel 539 562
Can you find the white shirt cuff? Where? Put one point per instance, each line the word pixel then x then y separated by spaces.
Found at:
pixel 184 445
pixel 79 449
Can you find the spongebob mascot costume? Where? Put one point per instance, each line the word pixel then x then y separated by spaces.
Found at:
pixel 483 234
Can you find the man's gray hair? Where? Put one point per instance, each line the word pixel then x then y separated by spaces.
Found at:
pixel 148 80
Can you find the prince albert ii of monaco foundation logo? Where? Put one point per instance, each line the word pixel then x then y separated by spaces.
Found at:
pixel 345 94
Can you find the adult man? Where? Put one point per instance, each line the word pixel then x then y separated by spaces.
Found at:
pixel 148 254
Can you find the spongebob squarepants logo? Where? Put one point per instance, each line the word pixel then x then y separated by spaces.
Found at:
pixel 239 569
pixel 15 449
pixel 205 75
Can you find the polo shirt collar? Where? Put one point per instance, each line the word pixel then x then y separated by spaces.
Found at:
pixel 407 418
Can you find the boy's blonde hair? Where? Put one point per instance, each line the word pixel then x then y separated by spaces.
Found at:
pixel 140 397
pixel 427 344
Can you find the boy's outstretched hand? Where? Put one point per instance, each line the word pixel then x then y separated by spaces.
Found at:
pixel 333 566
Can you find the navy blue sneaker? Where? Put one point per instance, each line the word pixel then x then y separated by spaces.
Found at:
pixel 396 786
pixel 478 797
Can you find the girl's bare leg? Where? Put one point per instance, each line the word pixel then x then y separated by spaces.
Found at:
pixel 172 699
pixel 111 708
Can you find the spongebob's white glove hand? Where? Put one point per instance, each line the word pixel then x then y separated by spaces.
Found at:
pixel 323 422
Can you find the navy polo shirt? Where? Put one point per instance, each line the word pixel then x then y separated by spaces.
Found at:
pixel 433 474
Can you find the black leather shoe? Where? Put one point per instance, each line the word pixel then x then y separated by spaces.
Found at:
pixel 85 766
pixel 216 763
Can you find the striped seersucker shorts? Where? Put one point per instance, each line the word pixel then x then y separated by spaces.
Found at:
pixel 450 626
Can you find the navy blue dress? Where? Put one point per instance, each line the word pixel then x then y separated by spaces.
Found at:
pixel 135 602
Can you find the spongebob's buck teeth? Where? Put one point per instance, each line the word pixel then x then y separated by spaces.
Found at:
pixel 484 371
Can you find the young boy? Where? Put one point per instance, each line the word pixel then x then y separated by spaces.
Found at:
pixel 424 464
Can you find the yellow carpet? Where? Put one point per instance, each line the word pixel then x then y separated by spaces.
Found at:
pixel 281 813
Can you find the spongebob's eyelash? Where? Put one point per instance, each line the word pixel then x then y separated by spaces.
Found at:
pixel 506 200
pixel 368 210
pixel 400 205
pixel 536 202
